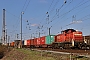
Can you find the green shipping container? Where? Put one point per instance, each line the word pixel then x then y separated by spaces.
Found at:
pixel 49 39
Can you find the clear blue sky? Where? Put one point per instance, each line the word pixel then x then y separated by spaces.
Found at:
pixel 72 14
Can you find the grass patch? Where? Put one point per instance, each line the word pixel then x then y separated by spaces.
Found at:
pixel 24 54
pixel 34 55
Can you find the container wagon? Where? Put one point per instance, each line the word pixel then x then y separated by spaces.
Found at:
pixel 32 43
pixel 27 43
pixel 44 41
pixel 49 40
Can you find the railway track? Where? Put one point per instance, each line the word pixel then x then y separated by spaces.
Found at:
pixel 75 52
pixel 68 50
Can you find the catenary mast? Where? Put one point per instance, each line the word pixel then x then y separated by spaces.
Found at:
pixel 3 28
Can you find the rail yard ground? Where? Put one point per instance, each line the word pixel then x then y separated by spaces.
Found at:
pixel 27 54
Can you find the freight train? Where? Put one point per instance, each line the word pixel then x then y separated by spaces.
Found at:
pixel 68 39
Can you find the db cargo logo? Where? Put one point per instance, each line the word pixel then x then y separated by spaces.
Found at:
pixel 78 34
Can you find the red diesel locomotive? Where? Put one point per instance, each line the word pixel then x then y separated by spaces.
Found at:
pixel 70 38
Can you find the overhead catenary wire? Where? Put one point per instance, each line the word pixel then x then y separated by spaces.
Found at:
pixel 24 5
pixel 50 5
pixel 17 22
pixel 53 9
pixel 45 14
pixel 62 15
pixel 44 18
pixel 77 21
pixel 67 12
pixel 27 6
pixel 75 7
pixel 54 6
